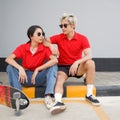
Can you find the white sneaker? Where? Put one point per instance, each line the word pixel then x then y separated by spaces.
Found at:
pixel 48 102
pixel 58 107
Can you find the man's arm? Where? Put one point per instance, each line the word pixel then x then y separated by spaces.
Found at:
pixel 87 56
pixel 53 48
pixel 46 42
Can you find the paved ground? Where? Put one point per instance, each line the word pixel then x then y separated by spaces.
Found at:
pixel 77 108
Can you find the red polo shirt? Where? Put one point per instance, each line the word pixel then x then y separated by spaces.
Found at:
pixel 70 50
pixel 31 61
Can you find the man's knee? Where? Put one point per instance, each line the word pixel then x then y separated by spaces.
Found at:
pixel 90 63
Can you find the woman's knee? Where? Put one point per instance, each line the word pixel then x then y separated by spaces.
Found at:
pixel 9 68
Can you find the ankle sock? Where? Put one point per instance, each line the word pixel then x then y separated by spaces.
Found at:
pixel 89 90
pixel 58 97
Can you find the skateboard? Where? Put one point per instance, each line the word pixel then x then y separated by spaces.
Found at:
pixel 13 98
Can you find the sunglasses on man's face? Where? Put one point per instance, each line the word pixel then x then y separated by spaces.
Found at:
pixel 63 25
pixel 39 34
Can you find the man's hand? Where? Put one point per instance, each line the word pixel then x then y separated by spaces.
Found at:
pixel 73 69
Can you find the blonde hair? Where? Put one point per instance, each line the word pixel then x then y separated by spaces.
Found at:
pixel 70 18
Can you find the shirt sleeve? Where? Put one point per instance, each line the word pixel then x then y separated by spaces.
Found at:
pixel 18 51
pixel 85 43
pixel 48 53
pixel 54 39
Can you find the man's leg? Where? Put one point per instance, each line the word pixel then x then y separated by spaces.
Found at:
pixel 59 106
pixel 88 68
pixel 59 90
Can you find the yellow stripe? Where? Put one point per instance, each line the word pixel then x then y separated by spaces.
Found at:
pixel 98 109
pixel 29 91
pixel 77 91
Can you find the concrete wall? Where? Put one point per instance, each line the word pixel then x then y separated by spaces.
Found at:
pixel 97 19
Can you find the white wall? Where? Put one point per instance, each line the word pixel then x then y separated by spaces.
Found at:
pixel 97 19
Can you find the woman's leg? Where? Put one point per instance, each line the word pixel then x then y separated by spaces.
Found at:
pixel 13 77
pixel 48 77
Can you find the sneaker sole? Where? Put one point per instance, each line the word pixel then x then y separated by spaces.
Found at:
pixel 95 104
pixel 57 109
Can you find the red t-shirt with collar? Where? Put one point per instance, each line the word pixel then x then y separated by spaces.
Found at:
pixel 70 50
pixel 31 61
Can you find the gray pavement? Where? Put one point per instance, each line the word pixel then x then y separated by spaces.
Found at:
pixel 77 108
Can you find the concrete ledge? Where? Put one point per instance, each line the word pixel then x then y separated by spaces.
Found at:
pixel 74 91
pixel 69 91
pixel 108 90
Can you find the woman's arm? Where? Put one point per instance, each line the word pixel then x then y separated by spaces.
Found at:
pixel 53 60
pixel 11 61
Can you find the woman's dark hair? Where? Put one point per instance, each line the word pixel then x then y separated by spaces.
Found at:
pixel 31 31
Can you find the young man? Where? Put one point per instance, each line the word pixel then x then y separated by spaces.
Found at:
pixel 72 46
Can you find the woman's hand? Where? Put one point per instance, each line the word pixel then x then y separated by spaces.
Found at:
pixel 34 76
pixel 22 75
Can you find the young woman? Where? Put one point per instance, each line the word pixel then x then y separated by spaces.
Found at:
pixel 38 64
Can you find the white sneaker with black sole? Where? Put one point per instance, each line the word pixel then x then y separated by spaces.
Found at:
pixel 58 107
pixel 92 99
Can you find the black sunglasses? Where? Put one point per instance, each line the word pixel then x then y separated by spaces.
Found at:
pixel 63 25
pixel 39 34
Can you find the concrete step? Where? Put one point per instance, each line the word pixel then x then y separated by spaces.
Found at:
pixel 69 91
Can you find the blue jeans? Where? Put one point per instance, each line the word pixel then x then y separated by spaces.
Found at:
pixel 46 77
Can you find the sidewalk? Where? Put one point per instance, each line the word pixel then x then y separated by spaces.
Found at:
pixel 77 109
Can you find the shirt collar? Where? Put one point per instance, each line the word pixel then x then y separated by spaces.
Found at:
pixel 65 37
pixel 40 47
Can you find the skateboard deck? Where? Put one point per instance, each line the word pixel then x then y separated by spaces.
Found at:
pixel 13 98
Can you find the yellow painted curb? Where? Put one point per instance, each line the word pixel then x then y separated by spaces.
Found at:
pixel 29 91
pixel 71 91
pixel 77 91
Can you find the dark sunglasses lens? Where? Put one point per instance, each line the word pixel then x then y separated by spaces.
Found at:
pixel 39 34
pixel 60 26
pixel 65 25
pixel 43 34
